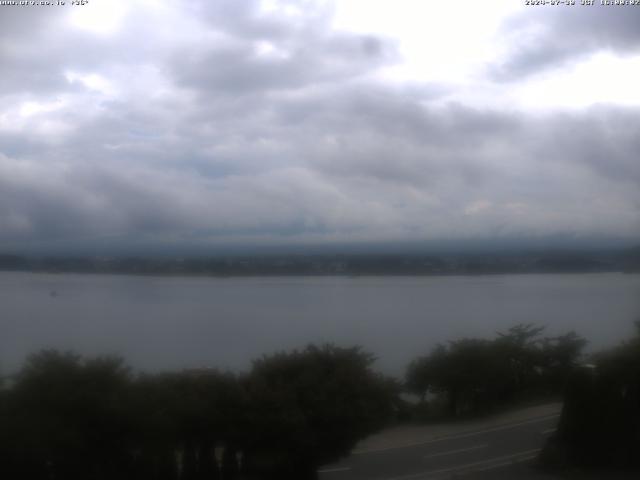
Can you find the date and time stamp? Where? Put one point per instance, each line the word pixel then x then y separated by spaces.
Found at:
pixel 583 3
pixel 42 3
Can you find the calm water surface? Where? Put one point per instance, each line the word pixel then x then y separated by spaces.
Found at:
pixel 176 322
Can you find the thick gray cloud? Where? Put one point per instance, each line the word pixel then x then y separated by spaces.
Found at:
pixel 242 124
pixel 544 38
pixel 258 52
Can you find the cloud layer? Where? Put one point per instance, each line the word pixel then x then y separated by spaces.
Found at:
pixel 245 121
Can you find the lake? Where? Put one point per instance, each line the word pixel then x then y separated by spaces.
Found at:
pixel 182 322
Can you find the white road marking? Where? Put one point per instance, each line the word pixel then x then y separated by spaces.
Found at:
pixel 333 470
pixel 457 436
pixel 483 465
pixel 548 431
pixel 459 450
pixel 507 463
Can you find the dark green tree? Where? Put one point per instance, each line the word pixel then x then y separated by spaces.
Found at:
pixel 310 407
pixel 66 420
pixel 476 375
pixel 560 356
pixel 600 421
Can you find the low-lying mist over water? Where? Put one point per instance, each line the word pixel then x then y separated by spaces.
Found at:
pixel 180 322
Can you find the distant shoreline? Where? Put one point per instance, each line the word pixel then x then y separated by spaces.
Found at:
pixel 351 265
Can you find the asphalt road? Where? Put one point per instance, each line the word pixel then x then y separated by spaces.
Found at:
pixel 495 452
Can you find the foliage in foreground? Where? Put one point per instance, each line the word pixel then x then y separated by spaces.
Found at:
pixel 67 417
pixel 475 376
pixel 600 422
pixel 70 418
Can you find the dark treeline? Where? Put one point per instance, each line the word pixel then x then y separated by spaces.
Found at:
pixel 600 423
pixel 65 417
pixel 474 376
pixel 346 264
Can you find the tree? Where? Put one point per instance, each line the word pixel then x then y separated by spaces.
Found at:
pixel 600 421
pixel 70 418
pixel 477 375
pixel 65 417
pixel 310 407
pixel 560 356
pixel 188 414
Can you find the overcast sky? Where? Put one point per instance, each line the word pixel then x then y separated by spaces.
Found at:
pixel 217 122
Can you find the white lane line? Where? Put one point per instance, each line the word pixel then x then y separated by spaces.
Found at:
pixel 459 450
pixel 548 431
pixel 334 470
pixel 457 436
pixel 507 463
pixel 483 464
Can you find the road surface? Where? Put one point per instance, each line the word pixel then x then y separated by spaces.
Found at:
pixel 503 447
